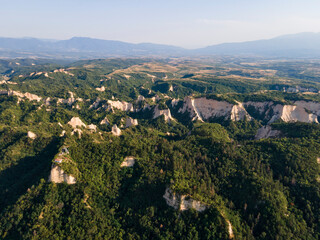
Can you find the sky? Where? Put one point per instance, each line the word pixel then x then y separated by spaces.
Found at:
pixel 185 23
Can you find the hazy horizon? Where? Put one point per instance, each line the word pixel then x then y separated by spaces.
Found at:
pixel 186 24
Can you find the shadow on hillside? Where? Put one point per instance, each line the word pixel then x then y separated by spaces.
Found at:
pixel 137 194
pixel 16 180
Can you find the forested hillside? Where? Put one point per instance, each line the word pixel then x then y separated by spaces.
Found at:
pixel 159 149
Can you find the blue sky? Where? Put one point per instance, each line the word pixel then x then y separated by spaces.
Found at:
pixel 183 23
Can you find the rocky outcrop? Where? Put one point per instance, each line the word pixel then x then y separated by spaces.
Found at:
pixel 238 112
pixel 230 230
pixel 115 130
pixel 140 99
pixel 291 113
pixel 69 100
pixel 297 114
pixel 174 102
pixel 57 175
pixel 101 89
pixel 204 109
pixel 31 135
pixel 155 98
pixel 95 104
pixel 29 96
pixel 78 131
pixel 300 111
pixel 311 106
pixel 61 70
pixel 182 202
pixel 128 162
pixel 165 112
pixel 62 133
pixel 131 122
pixel 266 132
pixel 76 122
pixel 47 101
pixel 92 127
pixel 104 121
pixel 123 106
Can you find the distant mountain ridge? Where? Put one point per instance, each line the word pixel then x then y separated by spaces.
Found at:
pixel 82 47
pixel 295 45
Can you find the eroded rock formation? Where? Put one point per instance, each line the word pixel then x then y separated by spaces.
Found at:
pixel 131 122
pixel 128 162
pixel 57 175
pixel 204 109
pixel 123 106
pixel 76 122
pixel 31 135
pixel 165 112
pixel 115 130
pixel 182 202
pixel 267 132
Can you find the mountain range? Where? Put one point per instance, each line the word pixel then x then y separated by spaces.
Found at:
pixel 295 45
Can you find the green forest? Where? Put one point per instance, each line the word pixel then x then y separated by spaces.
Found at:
pixel 251 188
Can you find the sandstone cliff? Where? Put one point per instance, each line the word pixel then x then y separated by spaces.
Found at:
pixel 76 122
pixel 204 109
pixel 165 112
pixel 182 202
pixel 128 162
pixel 266 132
pixel 31 135
pixel 115 130
pixel 123 106
pixel 57 175
pixel 131 122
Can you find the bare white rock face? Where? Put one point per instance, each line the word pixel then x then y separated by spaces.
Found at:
pixel 291 113
pixel 238 112
pixel 297 114
pixel 131 122
pixel 76 122
pixel 104 121
pixel 140 98
pixel 57 175
pixel 115 130
pixel 313 107
pixel 174 102
pixel 203 109
pixel 128 162
pixel 29 96
pixel 95 104
pixel 32 135
pixel 182 202
pixel 101 89
pixel 287 113
pixel 92 127
pixel 266 132
pixel 62 70
pixel 63 133
pixel 123 106
pixel 165 112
